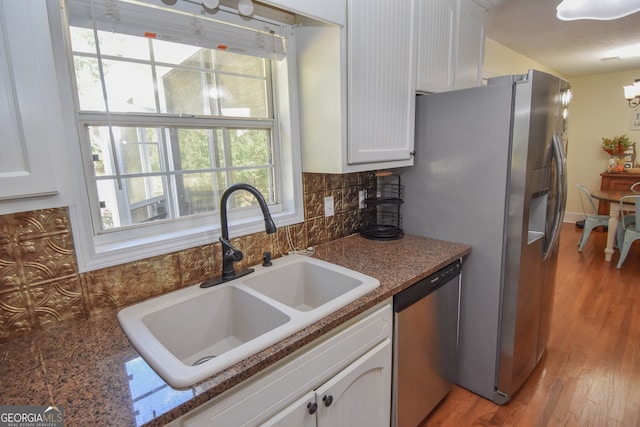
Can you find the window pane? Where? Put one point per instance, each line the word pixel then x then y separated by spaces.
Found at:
pixel 82 40
pixel 129 87
pixel 138 150
pixel 140 200
pixel 195 193
pixel 250 147
pixel 111 44
pixel 249 97
pixel 192 149
pixel 228 62
pixel 89 87
pixel 86 67
pixel 187 92
pixel 259 178
pixel 151 212
pixel 103 163
pixel 177 53
pixel 124 46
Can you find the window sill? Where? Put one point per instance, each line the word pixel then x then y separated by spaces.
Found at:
pixel 92 257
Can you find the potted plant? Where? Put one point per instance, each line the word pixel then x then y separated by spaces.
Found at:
pixel 616 147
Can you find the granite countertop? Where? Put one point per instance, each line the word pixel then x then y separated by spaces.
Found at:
pixel 92 370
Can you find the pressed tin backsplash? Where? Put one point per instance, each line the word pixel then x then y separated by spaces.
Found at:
pixel 40 287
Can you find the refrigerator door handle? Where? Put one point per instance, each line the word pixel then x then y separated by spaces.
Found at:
pixel 560 158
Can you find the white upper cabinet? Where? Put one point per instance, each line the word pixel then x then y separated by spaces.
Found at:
pixel 437 26
pixel 27 81
pixel 381 88
pixel 470 54
pixel 357 88
pixel 450 45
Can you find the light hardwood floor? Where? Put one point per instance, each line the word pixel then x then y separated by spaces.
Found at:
pixel 590 374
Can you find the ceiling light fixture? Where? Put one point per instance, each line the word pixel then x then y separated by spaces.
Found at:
pixel 571 10
pixel 210 4
pixel 245 7
pixel 632 93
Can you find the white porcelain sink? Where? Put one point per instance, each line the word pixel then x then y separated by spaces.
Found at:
pixel 203 327
pixel 307 284
pixel 193 333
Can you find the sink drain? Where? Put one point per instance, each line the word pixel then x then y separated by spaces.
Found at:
pixel 202 360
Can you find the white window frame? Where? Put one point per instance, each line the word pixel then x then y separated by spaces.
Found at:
pixel 95 250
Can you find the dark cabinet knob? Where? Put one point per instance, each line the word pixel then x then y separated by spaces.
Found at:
pixel 312 407
pixel 328 400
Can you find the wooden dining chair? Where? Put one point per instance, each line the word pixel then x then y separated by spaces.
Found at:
pixel 630 225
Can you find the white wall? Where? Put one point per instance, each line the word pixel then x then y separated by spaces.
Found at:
pixel 598 109
pixel 500 60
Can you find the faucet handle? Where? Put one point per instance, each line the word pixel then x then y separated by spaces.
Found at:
pixel 228 250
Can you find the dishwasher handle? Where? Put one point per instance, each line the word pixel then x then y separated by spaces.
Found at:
pixel 426 286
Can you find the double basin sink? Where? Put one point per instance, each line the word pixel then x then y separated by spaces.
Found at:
pixel 191 334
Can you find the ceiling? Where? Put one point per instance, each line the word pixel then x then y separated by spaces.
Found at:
pixel 572 48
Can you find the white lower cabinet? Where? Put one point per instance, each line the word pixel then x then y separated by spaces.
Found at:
pixel 341 379
pixel 301 413
pixel 358 396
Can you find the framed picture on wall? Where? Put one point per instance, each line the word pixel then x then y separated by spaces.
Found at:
pixel 635 120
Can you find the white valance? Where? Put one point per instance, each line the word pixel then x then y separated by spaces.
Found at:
pixel 171 24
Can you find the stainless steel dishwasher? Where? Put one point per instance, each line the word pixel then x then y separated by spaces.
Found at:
pixel 425 344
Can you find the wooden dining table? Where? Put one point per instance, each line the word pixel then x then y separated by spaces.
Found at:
pixel 613 198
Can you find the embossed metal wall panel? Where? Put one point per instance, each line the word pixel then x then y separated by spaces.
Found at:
pixel 39 281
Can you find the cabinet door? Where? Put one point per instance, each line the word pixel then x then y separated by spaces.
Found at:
pixel 360 395
pixel 381 80
pixel 27 100
pixel 301 413
pixel 437 28
pixel 470 52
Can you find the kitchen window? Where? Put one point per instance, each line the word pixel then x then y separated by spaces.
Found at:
pixel 173 107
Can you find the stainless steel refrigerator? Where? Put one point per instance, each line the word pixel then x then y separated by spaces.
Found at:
pixel 490 172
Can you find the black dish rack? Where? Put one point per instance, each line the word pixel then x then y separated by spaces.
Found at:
pixel 385 204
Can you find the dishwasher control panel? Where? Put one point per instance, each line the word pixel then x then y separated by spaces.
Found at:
pixel 426 286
